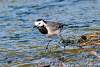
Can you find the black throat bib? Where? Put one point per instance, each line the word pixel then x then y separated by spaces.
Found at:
pixel 43 30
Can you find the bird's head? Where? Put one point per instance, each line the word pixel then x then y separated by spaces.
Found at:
pixel 40 22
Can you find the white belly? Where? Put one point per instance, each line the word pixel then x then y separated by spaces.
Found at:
pixel 51 33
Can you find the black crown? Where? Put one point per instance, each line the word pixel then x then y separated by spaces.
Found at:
pixel 39 20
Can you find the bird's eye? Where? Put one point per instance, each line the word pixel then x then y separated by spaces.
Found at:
pixel 39 23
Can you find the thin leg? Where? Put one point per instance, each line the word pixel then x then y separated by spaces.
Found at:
pixel 49 40
pixel 64 47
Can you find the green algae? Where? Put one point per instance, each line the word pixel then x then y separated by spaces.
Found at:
pixel 12 53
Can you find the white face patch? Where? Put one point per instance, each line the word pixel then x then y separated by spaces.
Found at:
pixel 39 23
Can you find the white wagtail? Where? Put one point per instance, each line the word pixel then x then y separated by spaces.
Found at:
pixel 50 28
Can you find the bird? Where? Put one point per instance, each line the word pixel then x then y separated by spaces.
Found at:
pixel 49 28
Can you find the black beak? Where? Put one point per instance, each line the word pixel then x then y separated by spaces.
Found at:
pixel 34 26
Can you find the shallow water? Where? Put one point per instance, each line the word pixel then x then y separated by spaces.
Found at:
pixel 18 39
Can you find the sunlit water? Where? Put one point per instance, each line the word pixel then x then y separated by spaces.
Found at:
pixel 17 19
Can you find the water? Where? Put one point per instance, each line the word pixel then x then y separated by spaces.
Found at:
pixel 17 19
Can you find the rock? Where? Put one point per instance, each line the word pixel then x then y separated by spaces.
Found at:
pixel 9 61
pixel 25 65
pixel 43 65
pixel 90 43
pixel 28 58
pixel 90 39
pixel 95 53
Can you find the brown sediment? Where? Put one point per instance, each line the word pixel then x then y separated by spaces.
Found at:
pixel 69 59
pixel 72 51
pixel 28 58
pixel 43 65
pixel 91 39
pixel 92 35
pixel 26 65
pixel 77 51
pixel 90 43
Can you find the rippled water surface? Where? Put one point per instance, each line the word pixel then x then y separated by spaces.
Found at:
pixel 19 41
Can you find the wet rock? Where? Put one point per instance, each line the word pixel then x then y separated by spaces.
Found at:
pixel 84 37
pixel 48 62
pixel 9 61
pixel 25 65
pixel 92 35
pixel 81 40
pixel 28 58
pixel 69 41
pixel 73 51
pixel 18 62
pixel 43 65
pixel 95 54
pixel 69 59
pixel 90 43
pixel 78 51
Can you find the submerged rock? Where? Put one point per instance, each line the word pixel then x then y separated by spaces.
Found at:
pixel 81 40
pixel 91 39
pixel 25 65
